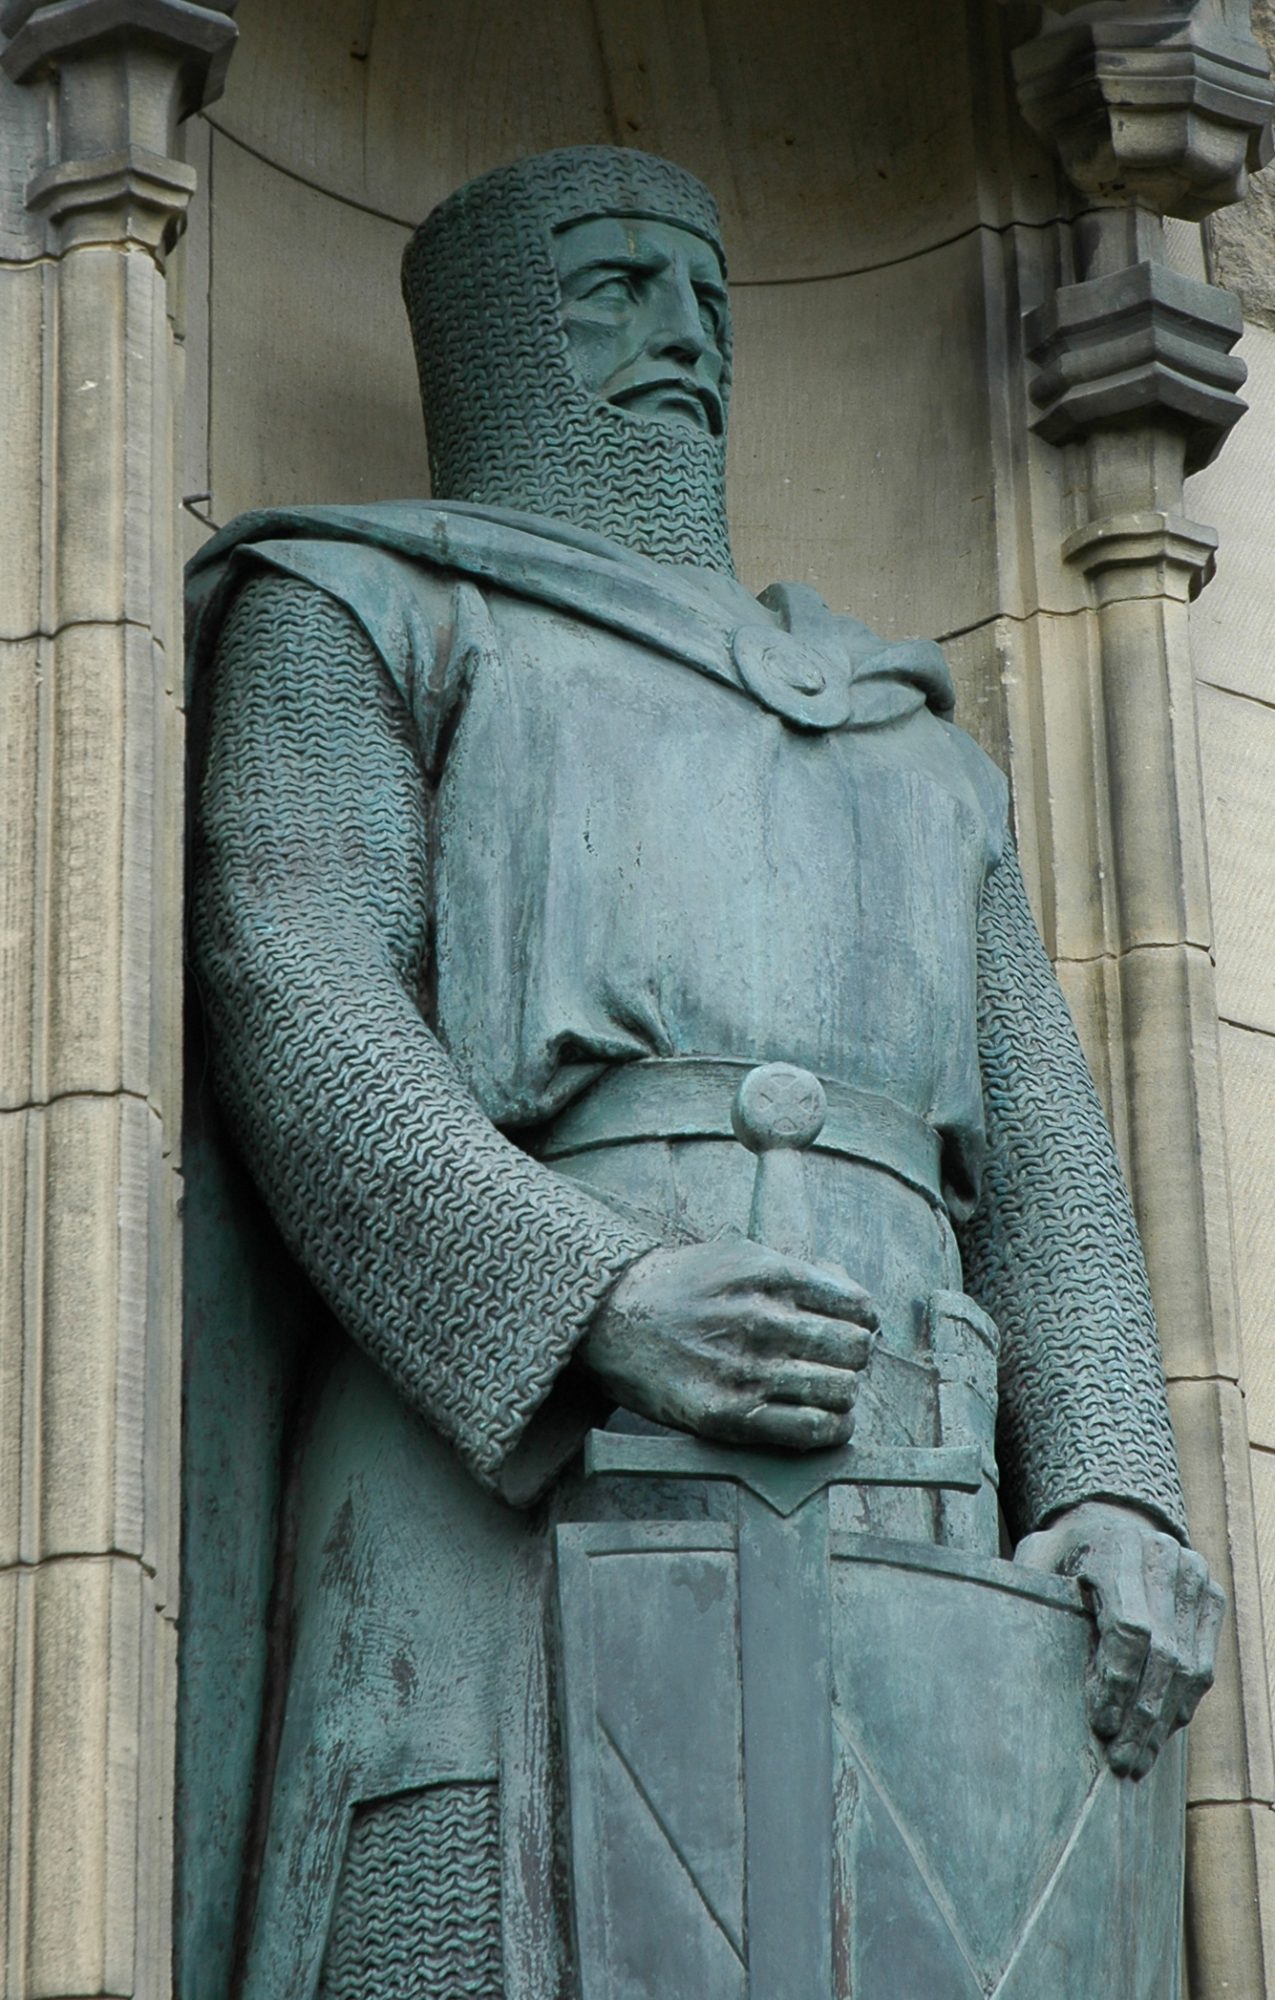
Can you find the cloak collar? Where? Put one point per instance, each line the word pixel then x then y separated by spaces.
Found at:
pixel 816 669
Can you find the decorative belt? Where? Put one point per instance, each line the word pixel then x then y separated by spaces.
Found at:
pixel 693 1097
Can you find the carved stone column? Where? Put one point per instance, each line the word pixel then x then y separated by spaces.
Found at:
pixel 91 195
pixel 1158 110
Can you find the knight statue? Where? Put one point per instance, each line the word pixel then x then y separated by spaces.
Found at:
pixel 681 1502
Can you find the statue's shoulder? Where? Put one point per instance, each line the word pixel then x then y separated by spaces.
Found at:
pixel 908 683
pixel 982 772
pixel 371 559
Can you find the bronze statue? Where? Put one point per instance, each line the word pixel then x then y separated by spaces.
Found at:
pixel 623 992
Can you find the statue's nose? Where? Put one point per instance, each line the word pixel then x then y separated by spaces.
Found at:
pixel 687 344
pixel 679 333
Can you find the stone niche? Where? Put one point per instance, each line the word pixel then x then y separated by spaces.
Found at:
pixel 863 162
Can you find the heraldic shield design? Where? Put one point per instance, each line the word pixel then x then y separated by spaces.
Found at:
pixel 805 1764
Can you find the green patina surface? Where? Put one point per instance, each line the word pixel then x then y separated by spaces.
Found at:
pixel 524 833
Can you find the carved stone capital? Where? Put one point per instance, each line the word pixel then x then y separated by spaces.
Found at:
pixel 1165 105
pixel 199 38
pixel 126 72
pixel 1148 554
pixel 1138 345
pixel 138 195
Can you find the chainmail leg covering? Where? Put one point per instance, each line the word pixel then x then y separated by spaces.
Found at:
pixel 1052 1250
pixel 418 1905
pixel 467 1270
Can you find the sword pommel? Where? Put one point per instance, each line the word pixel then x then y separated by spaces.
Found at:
pixel 779 1105
pixel 778 1112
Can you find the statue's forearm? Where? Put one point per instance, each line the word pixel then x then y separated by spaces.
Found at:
pixel 468 1271
pixel 1053 1251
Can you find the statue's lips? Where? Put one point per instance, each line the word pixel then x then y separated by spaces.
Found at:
pixel 701 402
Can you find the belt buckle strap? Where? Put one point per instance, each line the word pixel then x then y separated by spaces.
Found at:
pixel 691 1097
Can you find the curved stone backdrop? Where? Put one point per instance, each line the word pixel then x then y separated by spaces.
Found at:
pixel 869 192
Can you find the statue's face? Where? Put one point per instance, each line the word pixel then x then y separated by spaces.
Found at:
pixel 645 310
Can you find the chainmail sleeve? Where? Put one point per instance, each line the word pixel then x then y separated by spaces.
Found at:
pixel 466 1270
pixel 1052 1251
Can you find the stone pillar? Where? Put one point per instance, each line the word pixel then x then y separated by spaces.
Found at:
pixel 91 196
pixel 1156 110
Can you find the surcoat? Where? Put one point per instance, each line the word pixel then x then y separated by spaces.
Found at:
pixel 491 809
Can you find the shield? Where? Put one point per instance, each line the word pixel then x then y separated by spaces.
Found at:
pixel 809 1765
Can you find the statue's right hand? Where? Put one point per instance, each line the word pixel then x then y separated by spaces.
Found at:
pixel 736 1343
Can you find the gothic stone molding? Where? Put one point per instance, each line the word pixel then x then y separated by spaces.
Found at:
pixel 127 71
pixel 202 37
pixel 1156 109
pixel 1141 344
pixel 1167 108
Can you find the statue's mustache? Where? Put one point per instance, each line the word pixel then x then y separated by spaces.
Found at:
pixel 629 384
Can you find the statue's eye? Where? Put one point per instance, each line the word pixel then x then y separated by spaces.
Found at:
pixel 616 286
pixel 712 315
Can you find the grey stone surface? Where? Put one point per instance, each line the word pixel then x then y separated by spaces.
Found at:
pixel 89 1035
pixel 837 140
pixel 1170 109
pixel 1239 238
pixel 1137 345
pixel 199 37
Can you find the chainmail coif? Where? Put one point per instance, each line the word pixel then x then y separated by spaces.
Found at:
pixel 510 424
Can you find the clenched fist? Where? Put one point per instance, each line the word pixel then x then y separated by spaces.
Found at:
pixel 734 1342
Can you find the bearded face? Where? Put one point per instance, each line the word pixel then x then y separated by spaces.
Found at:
pixel 572 333
pixel 645 311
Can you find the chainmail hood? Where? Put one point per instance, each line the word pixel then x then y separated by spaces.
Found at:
pixel 510 423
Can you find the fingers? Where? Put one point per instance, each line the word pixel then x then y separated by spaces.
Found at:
pixel 773 1330
pixel 1157 1632
pixel 760 1403
pixel 786 1426
pixel 1212 1614
pixel 708 1337
pixel 806 1383
pixel 1203 1608
pixel 1158 1615
pixel 1116 1674
pixel 1047 1550
pixel 817 1288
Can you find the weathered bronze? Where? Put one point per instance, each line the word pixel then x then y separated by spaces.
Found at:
pixel 623 994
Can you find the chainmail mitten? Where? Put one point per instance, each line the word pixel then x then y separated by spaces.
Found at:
pixel 468 1271
pixel 1052 1251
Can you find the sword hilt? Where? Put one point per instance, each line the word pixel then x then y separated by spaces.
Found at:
pixel 778 1113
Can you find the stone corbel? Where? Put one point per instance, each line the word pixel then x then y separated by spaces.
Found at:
pixel 1142 341
pixel 126 73
pixel 1165 105
pixel 1152 109
pixel 1134 348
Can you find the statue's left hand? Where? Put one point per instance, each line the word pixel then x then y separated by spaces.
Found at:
pixel 1158 1614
